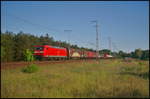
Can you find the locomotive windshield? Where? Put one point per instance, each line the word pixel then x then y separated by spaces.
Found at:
pixel 39 48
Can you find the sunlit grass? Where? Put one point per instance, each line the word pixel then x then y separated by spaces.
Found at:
pixel 107 78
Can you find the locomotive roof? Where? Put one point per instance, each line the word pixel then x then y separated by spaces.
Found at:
pixel 48 46
pixel 57 47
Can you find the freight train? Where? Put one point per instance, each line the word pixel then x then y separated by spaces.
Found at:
pixel 51 52
pixel 47 52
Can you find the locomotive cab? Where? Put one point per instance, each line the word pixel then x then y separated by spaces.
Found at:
pixel 39 52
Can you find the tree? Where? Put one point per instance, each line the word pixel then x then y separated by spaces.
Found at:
pixel 7 44
pixel 145 55
pixel 138 53
pixel 22 42
pixel 104 51
pixel 2 53
pixel 46 40
pixel 123 54
pixel 115 54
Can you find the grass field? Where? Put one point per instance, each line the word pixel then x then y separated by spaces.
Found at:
pixel 107 78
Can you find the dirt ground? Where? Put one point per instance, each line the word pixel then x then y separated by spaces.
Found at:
pixel 11 65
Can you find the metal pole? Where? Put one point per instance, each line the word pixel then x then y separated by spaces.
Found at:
pixel 68 40
pixel 68 36
pixel 97 47
pixel 109 40
pixel 97 39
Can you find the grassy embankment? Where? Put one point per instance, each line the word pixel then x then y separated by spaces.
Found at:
pixel 108 78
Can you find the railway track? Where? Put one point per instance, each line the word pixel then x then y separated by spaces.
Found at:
pixel 9 65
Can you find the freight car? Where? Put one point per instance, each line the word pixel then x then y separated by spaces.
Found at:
pixel 52 52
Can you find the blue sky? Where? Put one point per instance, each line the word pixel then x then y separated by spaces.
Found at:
pixel 125 22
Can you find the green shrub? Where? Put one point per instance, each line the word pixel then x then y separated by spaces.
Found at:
pixel 30 68
pixel 28 55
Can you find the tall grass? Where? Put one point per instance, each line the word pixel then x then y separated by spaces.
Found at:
pixel 108 78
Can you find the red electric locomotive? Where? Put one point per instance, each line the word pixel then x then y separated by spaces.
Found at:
pixel 46 51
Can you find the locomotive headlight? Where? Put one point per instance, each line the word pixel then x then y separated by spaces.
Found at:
pixel 38 52
pixel 41 52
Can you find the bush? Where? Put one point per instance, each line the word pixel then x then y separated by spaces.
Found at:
pixel 30 68
pixel 28 55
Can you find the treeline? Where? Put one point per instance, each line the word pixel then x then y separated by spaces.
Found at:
pixel 13 46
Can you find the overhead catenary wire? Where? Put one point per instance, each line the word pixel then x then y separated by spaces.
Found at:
pixel 33 24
